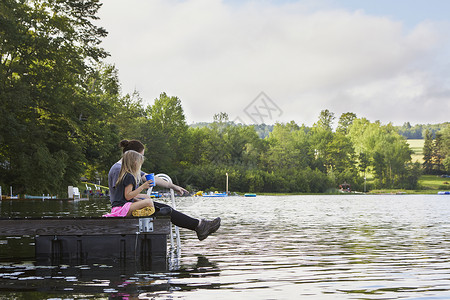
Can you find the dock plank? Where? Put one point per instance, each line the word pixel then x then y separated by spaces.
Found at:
pixel 78 226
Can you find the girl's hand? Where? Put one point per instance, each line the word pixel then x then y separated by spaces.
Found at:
pixel 146 184
pixel 151 182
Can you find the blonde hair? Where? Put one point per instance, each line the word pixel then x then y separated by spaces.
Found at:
pixel 131 163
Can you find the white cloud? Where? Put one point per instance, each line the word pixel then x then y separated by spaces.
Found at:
pixel 217 58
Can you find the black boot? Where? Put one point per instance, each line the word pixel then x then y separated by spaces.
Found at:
pixel 207 227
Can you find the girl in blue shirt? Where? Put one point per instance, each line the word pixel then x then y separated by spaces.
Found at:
pixel 128 188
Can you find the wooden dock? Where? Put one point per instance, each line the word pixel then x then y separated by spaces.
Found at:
pixel 91 238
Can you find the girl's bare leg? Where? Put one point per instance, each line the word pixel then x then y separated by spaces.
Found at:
pixel 140 204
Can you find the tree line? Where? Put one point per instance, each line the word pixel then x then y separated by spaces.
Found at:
pixel 419 131
pixel 63 115
pixel 407 130
pixel 297 158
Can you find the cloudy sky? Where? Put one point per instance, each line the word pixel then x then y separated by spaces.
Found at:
pixel 277 61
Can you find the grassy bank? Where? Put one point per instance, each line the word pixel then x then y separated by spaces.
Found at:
pixel 428 184
pixel 434 182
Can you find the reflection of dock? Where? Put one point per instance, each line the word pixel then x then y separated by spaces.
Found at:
pixel 75 239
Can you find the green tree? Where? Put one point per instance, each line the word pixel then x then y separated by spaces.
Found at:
pixel 438 154
pixel 345 120
pixel 106 117
pixel 288 148
pixel 326 119
pixel 333 150
pixel 387 151
pixel 225 147
pixel 46 50
pixel 428 153
pixel 446 148
pixel 165 135
pixel 363 162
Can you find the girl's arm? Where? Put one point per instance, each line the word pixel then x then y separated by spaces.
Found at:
pixel 129 193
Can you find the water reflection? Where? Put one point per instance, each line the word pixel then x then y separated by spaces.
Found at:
pixel 320 247
pixel 107 277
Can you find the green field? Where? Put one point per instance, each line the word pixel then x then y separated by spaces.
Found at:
pixel 434 182
pixel 428 184
pixel 417 147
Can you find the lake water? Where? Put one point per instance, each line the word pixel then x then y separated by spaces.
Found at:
pixel 268 247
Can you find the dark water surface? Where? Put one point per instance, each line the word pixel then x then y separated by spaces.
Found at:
pixel 268 247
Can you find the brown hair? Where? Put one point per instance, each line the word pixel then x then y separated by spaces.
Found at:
pixel 131 163
pixel 131 145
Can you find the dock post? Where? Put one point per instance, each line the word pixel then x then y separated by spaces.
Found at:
pixel 226 189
